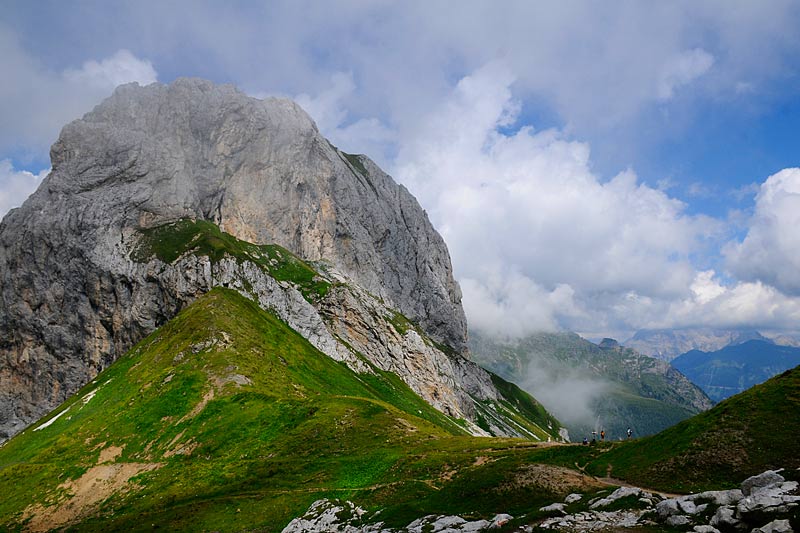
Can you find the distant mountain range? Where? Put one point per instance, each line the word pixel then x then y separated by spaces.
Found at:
pixel 735 368
pixel 667 344
pixel 591 387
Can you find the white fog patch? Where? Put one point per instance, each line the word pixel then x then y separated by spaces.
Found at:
pixel 568 393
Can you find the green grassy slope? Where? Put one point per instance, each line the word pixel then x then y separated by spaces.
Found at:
pixel 518 413
pixel 741 436
pixel 226 419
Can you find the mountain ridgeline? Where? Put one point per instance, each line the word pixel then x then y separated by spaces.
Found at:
pixel 226 419
pixel 667 344
pixel 736 368
pixel 164 192
pixel 242 328
pixel 593 388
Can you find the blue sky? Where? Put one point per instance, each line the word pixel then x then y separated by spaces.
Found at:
pixel 592 167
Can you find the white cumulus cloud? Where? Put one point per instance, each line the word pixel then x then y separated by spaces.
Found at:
pixel 536 238
pixel 40 101
pixel 16 185
pixel 732 305
pixel 122 67
pixel 770 252
pixel 329 110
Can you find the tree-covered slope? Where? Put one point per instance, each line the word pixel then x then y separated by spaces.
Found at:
pixel 742 436
pixel 226 419
pixel 593 388
pixel 735 368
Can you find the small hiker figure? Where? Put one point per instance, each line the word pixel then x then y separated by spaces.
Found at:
pixel 602 434
pixel 630 432
pixel 585 441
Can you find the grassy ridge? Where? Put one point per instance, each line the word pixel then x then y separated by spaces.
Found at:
pixel 171 241
pixel 245 424
pixel 742 436
pixel 519 412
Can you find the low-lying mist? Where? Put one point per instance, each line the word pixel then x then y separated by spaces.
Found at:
pixel 569 393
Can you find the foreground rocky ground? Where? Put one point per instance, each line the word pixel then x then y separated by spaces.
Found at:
pixel 766 503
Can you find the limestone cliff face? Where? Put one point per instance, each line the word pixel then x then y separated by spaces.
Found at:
pixel 71 299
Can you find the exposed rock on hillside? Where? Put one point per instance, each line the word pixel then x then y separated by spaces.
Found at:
pixel 71 297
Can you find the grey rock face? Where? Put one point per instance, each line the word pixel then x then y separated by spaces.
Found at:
pixel 721 497
pixel 705 529
pixel 593 521
pixel 622 492
pixel 554 508
pixel 764 479
pixel 678 520
pixel 71 301
pixel 725 517
pixel 776 526
pixel 774 498
pixel 326 516
pixel 668 508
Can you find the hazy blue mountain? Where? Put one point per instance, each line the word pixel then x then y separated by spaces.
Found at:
pixel 667 344
pixel 733 369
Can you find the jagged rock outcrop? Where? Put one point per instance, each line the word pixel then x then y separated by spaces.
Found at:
pixel 326 516
pixel 71 297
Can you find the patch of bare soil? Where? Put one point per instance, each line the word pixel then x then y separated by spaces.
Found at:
pixel 406 425
pixel 217 383
pixel 110 454
pixel 555 479
pixel 184 448
pixel 86 494
pixel 207 397
pixel 482 460
pixel 447 474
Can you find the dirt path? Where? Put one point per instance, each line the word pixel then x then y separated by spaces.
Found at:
pixel 608 480
pixel 621 483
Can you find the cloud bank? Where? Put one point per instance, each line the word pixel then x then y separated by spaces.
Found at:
pixel 770 252
pixel 537 239
pixel 16 185
pixel 40 101
pixel 540 242
pixel 449 102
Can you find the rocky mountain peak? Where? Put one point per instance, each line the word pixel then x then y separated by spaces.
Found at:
pixel 609 344
pixel 72 298
pixel 260 170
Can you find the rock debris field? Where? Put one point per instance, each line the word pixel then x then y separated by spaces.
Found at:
pixel 766 503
